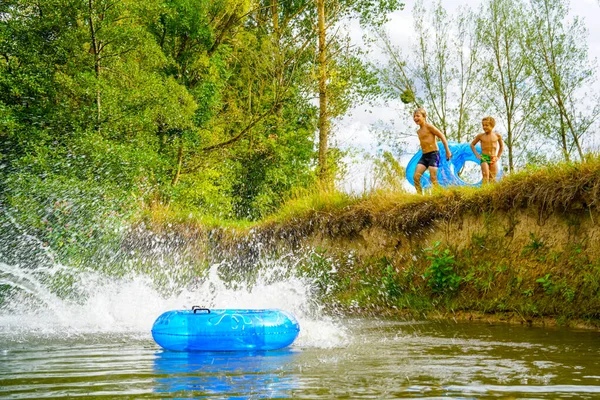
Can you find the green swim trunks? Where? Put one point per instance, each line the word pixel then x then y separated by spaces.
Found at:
pixel 486 158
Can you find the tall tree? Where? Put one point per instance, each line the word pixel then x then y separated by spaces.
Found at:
pixel 467 43
pixel 323 117
pixel 507 73
pixel 339 63
pixel 443 70
pixel 557 54
pixel 435 61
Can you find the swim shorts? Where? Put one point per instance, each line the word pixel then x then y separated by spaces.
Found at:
pixel 490 160
pixel 431 159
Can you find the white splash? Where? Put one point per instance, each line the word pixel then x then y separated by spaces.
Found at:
pixel 110 305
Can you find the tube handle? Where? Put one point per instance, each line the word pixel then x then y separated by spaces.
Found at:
pixel 198 308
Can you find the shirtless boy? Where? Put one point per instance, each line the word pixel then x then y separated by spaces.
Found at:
pixel 491 149
pixel 431 155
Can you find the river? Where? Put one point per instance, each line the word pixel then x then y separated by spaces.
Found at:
pixel 373 359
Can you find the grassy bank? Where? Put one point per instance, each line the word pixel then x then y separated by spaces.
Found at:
pixel 526 249
pixel 562 188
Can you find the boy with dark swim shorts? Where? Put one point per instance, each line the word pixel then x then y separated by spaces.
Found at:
pixel 491 149
pixel 431 155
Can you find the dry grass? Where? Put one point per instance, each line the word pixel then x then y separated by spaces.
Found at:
pixel 561 188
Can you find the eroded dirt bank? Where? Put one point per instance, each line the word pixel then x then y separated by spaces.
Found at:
pixel 527 249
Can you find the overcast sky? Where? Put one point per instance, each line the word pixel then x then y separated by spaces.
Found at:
pixel 354 130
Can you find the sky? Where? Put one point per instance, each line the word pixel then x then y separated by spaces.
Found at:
pixel 354 130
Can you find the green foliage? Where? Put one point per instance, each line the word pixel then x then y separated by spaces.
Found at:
pixel 547 283
pixel 440 274
pixel 199 105
pixel 527 292
pixel 389 279
pixel 568 294
pixel 407 96
pixel 550 30
pixel 533 246
pixel 388 173
pixel 321 269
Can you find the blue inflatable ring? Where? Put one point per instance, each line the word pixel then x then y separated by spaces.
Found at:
pixel 203 329
pixel 447 174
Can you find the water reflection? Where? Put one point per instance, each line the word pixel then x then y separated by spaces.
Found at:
pixel 228 375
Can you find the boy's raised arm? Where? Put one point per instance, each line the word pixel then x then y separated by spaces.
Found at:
pixel 473 143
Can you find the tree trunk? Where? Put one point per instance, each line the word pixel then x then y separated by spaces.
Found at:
pixel 323 120
pixel 571 128
pixel 179 163
pixel 279 67
pixel 96 53
pixel 563 138
pixel 275 16
pixel 509 144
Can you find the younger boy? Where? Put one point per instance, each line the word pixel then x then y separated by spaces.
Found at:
pixel 491 149
pixel 431 155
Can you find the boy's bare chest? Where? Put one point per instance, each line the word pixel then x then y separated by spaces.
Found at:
pixel 489 139
pixel 425 134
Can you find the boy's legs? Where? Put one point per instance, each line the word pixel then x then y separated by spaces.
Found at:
pixel 493 172
pixel 417 177
pixel 485 172
pixel 433 175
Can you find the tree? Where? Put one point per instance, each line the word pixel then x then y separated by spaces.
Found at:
pixel 434 76
pixel 335 60
pixel 388 173
pixel 467 43
pixel 323 117
pixel 506 70
pixel 435 68
pixel 557 54
pixel 253 90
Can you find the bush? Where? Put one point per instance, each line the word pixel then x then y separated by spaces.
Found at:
pixel 440 274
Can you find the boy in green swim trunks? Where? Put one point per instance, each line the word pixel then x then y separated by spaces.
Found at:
pixel 491 149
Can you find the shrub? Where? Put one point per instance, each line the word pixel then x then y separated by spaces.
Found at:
pixel 440 274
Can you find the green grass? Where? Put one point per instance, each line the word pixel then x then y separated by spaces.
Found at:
pixel 163 216
pixel 309 202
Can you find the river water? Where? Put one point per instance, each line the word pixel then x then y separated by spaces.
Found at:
pixel 367 358
pixel 94 340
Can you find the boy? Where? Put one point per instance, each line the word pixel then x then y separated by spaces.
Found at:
pixel 431 155
pixel 491 149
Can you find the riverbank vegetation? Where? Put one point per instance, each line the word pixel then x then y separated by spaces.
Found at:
pixel 208 107
pixel 558 188
pixel 525 249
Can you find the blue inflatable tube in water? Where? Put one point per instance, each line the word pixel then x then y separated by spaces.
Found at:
pixel 203 329
pixel 447 174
